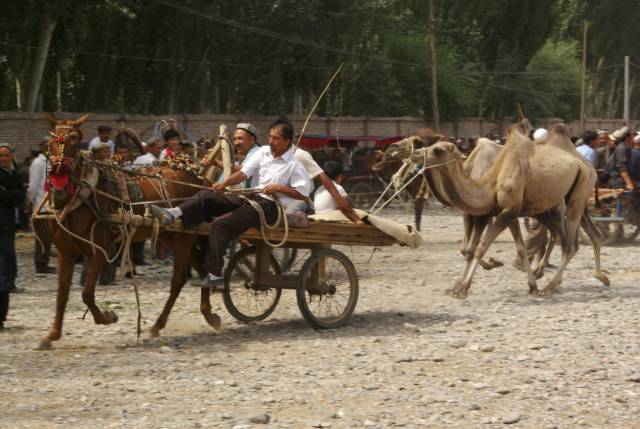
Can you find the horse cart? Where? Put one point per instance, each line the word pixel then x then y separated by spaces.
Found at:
pixel 617 216
pixel 326 284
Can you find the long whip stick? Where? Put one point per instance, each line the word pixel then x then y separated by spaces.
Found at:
pixel 313 109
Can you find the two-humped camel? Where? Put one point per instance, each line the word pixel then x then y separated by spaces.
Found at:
pixel 543 180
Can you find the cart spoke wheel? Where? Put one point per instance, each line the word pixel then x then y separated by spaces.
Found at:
pixel 327 289
pixel 617 232
pixel 244 299
pixel 285 256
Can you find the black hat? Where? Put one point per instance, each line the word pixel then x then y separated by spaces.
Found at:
pixel 104 128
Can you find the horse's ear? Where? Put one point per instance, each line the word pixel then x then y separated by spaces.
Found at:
pixel 51 119
pixel 81 120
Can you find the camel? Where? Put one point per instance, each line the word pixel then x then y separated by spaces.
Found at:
pixel 81 205
pixel 390 164
pixel 527 179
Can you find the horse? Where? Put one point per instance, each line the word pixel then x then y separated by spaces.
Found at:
pixel 79 195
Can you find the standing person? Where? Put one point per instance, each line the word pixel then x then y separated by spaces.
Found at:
pixel 104 136
pixel 172 140
pixel 588 146
pixel 154 149
pixel 11 196
pixel 620 162
pixel 35 192
pixel 605 148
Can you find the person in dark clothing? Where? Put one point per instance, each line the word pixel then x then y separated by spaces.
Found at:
pixel 12 195
pixel 620 162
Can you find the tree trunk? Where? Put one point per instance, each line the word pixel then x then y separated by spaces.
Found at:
pixel 49 21
pixel 434 70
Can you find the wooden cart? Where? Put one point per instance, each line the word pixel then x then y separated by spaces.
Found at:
pixel 607 216
pixel 326 285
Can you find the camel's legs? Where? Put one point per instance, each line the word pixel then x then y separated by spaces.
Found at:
pixel 502 221
pixel 65 274
pixel 553 220
pixel 94 268
pixel 522 254
pixel 569 246
pixel 596 241
pixel 180 266
pixel 473 233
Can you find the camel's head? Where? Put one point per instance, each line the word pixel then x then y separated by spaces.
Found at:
pixel 61 150
pixel 440 153
pixel 397 151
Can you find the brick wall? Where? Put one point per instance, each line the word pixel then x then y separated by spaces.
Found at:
pixel 24 130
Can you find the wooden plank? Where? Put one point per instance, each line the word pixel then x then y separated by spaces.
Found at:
pixel 346 234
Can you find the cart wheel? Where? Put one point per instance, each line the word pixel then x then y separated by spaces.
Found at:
pixel 327 289
pixel 285 256
pixel 624 232
pixel 618 232
pixel 244 299
pixel 361 195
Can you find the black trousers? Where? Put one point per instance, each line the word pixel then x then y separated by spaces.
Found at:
pixel 8 270
pixel 231 217
pixel 42 251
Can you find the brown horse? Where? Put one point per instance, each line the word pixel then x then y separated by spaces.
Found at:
pixel 81 207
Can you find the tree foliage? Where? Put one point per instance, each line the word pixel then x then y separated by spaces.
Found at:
pixel 252 56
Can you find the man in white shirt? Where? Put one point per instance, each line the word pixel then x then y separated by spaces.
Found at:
pixel 279 175
pixel 315 172
pixel 588 146
pixel 323 200
pixel 104 136
pixel 35 194
pixel 154 148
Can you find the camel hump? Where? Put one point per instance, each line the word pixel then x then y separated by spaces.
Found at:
pixel 562 129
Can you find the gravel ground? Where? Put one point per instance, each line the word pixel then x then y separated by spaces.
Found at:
pixel 410 357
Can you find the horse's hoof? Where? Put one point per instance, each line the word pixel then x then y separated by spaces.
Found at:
pixel 603 279
pixel 533 290
pixel 538 273
pixel 213 320
pixel 44 344
pixel 111 317
pixel 154 333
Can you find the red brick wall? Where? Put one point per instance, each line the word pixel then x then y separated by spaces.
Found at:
pixel 24 130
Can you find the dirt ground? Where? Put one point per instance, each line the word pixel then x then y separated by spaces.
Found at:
pixel 411 356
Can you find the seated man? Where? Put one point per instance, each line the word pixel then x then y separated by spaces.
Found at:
pixel 323 201
pixel 279 174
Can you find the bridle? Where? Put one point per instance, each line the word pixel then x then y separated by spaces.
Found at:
pixel 61 165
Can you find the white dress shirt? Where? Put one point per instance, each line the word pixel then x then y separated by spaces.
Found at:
pixel 284 170
pixel 37 177
pixel 94 141
pixel 146 159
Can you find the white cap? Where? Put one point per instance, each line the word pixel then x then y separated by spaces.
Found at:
pixel 540 134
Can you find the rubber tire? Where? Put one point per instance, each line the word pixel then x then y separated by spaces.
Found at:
pixel 226 295
pixel 301 292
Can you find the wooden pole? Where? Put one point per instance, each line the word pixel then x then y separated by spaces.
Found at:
pixel 18 95
pixel 583 92
pixel 434 70
pixel 627 91
pixel 59 91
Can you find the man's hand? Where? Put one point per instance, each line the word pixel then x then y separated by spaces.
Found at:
pixel 272 189
pixel 204 162
pixel 218 187
pixel 630 187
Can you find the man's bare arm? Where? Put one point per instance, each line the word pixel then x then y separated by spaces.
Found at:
pixel 341 201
